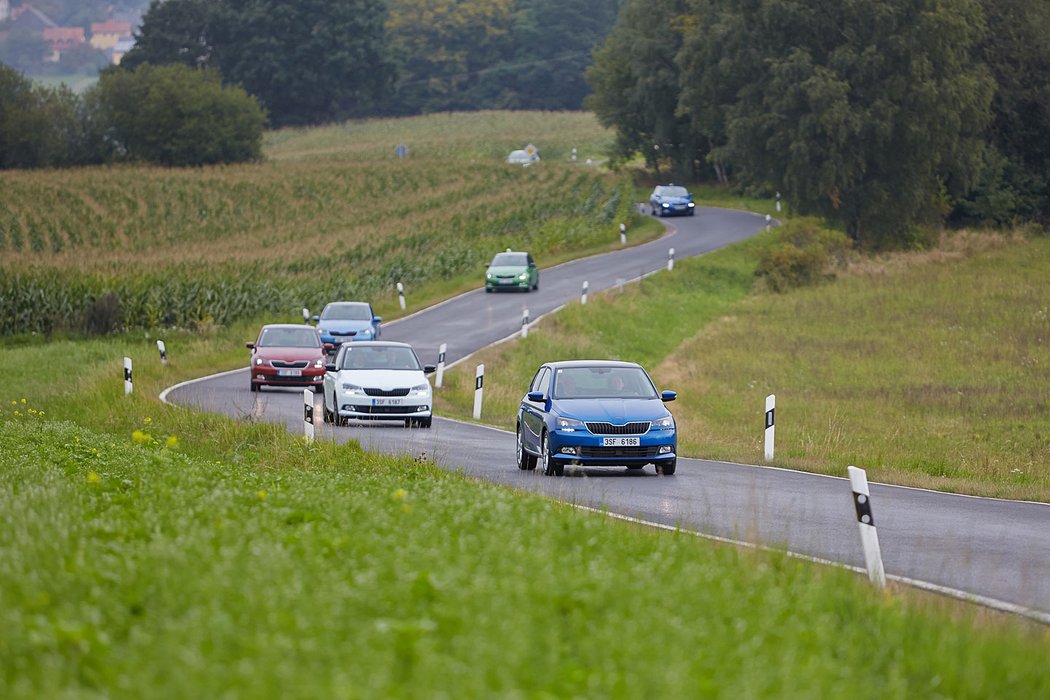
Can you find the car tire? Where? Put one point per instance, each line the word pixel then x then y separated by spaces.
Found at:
pixel 551 466
pixel 424 422
pixel 326 415
pixel 526 462
pixel 488 290
pixel 253 385
pixel 692 212
pixel 667 467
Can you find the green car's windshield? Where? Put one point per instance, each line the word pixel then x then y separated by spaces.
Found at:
pixel 510 260
pixel 603 383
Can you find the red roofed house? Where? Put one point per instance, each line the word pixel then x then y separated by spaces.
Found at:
pixel 105 35
pixel 62 39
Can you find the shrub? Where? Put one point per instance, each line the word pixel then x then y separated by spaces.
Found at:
pixel 104 315
pixel 806 254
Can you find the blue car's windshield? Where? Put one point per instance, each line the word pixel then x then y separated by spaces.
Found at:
pixel 603 383
pixel 669 191
pixel 380 357
pixel 346 312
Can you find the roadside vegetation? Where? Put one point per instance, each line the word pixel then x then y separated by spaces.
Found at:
pixel 927 368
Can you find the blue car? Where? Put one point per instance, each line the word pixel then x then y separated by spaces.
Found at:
pixel 668 200
pixel 344 321
pixel 596 413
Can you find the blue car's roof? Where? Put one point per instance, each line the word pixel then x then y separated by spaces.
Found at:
pixel 590 363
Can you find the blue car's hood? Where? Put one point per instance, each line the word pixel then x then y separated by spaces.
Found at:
pixel 337 327
pixel 617 411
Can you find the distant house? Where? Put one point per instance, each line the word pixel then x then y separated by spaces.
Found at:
pixel 62 39
pixel 29 19
pixel 122 47
pixel 5 9
pixel 105 35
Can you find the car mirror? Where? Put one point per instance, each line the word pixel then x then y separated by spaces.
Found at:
pixel 536 396
pixel 316 318
pixel 532 264
pixel 250 346
pixel 429 369
pixel 668 395
pixel 377 319
pixel 329 368
pixel 329 347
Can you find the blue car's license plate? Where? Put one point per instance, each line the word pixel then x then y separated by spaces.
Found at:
pixel 620 442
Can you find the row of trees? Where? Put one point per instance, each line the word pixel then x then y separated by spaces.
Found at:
pixel 172 115
pixel 313 61
pixel 880 115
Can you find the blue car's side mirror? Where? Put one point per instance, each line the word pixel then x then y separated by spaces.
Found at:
pixel 316 318
pixel 536 396
pixel 668 395
pixel 377 319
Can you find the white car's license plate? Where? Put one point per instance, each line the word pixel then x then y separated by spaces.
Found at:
pixel 620 442
pixel 289 373
pixel 387 402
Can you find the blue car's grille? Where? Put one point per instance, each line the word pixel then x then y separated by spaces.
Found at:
pixel 384 392
pixel 636 428
pixel 618 452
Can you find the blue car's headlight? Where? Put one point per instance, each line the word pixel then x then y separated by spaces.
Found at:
pixel 364 332
pixel 570 425
pixel 664 423
pixel 664 204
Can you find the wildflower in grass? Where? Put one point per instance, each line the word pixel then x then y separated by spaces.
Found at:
pixel 140 438
pixel 147 420
pixel 23 400
pixel 93 478
pixel 172 442
pixel 261 494
pixel 399 495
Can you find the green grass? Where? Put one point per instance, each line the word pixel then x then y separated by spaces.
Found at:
pixel 927 369
pixel 134 569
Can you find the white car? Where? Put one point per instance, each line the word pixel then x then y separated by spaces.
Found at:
pixel 522 157
pixel 377 380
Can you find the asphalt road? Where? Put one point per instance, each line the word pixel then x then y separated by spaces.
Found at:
pixel 995 552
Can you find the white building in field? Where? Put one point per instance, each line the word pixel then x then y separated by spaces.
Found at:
pixel 5 9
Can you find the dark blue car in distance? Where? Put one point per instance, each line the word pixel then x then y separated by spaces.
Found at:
pixel 595 413
pixel 671 200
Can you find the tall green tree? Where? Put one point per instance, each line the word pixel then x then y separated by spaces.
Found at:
pixel 308 61
pixel 39 126
pixel 636 83
pixel 178 116
pixel 867 112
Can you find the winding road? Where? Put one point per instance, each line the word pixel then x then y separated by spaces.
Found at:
pixel 993 552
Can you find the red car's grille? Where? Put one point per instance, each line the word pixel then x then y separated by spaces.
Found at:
pixel 281 364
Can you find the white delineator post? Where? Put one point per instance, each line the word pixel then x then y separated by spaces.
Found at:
pixel 623 234
pixel 308 414
pixel 441 365
pixel 769 221
pixel 525 322
pixel 778 202
pixel 127 376
pixel 401 295
pixel 869 538
pixel 670 259
pixel 479 382
pixel 163 352
pixel 306 315
pixel 583 293
pixel 771 402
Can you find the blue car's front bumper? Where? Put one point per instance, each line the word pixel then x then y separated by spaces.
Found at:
pixel 582 447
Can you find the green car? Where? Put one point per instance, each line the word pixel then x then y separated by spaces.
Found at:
pixel 512 270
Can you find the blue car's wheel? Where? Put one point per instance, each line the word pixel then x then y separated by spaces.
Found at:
pixel 666 467
pixel 551 466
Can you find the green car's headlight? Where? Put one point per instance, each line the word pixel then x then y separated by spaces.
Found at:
pixel 523 276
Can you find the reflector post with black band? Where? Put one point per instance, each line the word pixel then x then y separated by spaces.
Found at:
pixel 869 537
pixel 479 382
pixel 583 293
pixel 525 322
pixel 401 295
pixel 308 414
pixel 670 259
pixel 441 365
pixel 127 376
pixel 163 352
pixel 771 402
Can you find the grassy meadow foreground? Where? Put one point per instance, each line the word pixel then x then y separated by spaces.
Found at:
pixel 154 551
pixel 927 369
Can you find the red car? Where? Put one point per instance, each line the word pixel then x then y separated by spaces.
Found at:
pixel 288 354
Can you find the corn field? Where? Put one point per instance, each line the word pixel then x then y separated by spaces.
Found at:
pixel 177 247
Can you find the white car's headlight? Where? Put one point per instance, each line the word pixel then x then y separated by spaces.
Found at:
pixel 421 389
pixel 353 389
pixel 667 422
pixel 570 424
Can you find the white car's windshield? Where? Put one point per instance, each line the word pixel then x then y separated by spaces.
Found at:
pixel 288 338
pixel 380 357
pixel 347 312
pixel 510 260
pixel 603 383
pixel 672 191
